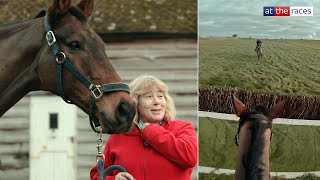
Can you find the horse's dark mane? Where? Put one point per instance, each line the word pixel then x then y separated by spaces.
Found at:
pixel 257 145
pixel 74 10
pixel 22 23
pixel 262 109
pixel 254 167
pixel 15 26
pixel 40 14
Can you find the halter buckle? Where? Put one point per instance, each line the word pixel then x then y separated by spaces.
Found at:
pixel 51 39
pixel 96 91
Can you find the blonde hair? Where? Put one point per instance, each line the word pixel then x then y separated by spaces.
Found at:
pixel 143 84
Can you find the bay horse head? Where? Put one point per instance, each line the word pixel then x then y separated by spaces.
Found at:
pixel 62 54
pixel 254 133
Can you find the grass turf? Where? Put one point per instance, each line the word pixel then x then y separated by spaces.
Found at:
pixel 288 66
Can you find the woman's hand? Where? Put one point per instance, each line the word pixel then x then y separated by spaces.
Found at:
pixel 124 176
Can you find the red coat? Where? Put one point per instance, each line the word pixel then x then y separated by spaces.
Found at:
pixel 166 152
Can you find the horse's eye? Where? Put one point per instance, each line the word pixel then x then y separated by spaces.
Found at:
pixel 74 45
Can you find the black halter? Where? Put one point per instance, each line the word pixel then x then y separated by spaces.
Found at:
pixel 252 117
pixel 96 90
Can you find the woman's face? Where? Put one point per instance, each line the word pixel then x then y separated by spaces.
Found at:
pixel 152 106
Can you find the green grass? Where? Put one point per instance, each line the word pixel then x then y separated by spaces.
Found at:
pixel 293 148
pixel 212 176
pixel 288 66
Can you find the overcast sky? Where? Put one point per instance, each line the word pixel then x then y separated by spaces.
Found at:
pixel 245 18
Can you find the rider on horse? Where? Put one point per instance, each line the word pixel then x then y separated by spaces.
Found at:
pixel 259 43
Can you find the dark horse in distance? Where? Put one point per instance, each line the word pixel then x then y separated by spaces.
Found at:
pixel 258 49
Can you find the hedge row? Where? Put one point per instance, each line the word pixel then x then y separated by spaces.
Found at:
pixel 220 100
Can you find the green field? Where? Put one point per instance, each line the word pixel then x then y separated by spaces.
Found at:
pixel 288 66
pixel 293 148
pixel 213 176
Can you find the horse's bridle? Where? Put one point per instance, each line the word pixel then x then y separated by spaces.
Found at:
pixel 96 90
pixel 252 117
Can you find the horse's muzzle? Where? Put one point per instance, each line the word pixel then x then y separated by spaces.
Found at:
pixel 124 114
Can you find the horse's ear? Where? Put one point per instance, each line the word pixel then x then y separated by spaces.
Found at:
pixel 59 7
pixel 277 109
pixel 239 107
pixel 87 7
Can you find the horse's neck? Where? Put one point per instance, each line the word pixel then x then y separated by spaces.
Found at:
pixel 19 47
pixel 244 144
pixel 258 156
pixel 11 28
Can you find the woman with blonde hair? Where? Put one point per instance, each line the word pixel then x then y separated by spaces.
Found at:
pixel 157 146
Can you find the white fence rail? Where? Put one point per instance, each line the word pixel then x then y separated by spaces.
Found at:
pixel 208 170
pixel 232 117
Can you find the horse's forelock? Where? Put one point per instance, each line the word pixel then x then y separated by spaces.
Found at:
pixel 74 10
pixel 78 13
pixel 260 113
pixel 245 114
pixel 262 109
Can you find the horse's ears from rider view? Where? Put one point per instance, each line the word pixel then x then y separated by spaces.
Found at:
pixel 274 111
pixel 277 109
pixel 239 107
pixel 62 6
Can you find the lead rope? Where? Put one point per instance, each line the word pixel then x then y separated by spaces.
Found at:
pixel 100 160
pixel 100 157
